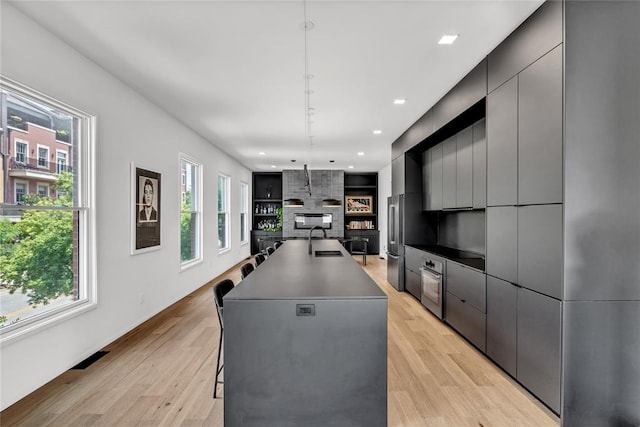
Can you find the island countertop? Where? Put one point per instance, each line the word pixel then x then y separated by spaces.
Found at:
pixel 292 273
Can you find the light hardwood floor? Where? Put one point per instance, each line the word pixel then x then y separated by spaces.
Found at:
pixel 161 374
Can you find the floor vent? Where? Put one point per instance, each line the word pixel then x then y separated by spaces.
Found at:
pixel 90 360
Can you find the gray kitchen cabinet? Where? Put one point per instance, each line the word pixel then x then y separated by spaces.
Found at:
pixel 412 283
pixel 471 89
pixel 426 179
pixel 502 145
pixel 464 168
pixel 449 173
pixel 435 185
pixel 538 35
pixel 468 284
pixel 538 345
pixel 466 319
pixel 540 131
pixel 540 249
pixel 479 152
pixel 397 176
pixel 502 314
pixel 413 259
pixel 502 242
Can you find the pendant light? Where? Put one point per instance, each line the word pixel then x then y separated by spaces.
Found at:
pixel 331 202
pixel 293 203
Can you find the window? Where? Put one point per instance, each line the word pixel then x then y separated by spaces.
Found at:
pixel 244 212
pixel 21 190
pixel 223 212
pixel 43 157
pixel 21 152
pixel 61 158
pixel 43 190
pixel 46 243
pixel 190 213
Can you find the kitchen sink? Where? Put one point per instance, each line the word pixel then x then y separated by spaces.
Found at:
pixel 329 253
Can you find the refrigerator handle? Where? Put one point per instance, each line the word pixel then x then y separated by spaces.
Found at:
pixel 391 229
pixel 392 256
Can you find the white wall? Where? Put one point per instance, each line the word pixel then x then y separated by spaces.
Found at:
pixel 384 191
pixel 129 129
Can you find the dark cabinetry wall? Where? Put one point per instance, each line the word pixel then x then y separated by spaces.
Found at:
pixel 502 145
pixel 538 35
pixel 540 130
pixel 538 346
pixel 502 312
pixel 365 183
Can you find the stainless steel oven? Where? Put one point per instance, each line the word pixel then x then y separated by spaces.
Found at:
pixel 432 284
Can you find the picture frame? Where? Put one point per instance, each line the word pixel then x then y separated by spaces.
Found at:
pixel 358 205
pixel 145 210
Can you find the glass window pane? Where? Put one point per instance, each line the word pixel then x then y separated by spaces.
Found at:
pixel 222 230
pixel 188 236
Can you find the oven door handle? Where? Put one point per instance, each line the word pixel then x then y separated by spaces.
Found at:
pixel 432 273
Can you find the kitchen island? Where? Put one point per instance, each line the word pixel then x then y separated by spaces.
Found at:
pixel 306 342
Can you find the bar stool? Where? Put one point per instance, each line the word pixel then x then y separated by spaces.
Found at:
pixel 270 250
pixel 362 250
pixel 259 259
pixel 220 289
pixel 246 269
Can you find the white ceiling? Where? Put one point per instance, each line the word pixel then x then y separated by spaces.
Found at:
pixel 233 71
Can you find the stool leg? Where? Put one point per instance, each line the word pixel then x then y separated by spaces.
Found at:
pixel 218 369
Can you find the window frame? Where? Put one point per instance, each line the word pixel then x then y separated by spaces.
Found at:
pixel 66 160
pixel 197 197
pixel 227 214
pixel 46 157
pixel 84 202
pixel 24 142
pixel 45 185
pixel 15 190
pixel 244 209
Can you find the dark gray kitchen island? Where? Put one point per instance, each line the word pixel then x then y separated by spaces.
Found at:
pixel 306 342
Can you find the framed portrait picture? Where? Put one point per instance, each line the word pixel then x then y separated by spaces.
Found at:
pixel 145 202
pixel 358 205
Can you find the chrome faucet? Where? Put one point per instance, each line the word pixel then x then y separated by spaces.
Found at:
pixel 316 227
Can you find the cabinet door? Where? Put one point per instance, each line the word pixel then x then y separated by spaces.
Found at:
pixel 426 180
pixel 464 168
pixel 449 173
pixel 540 131
pixel 466 319
pixel 540 250
pixel 412 283
pixel 502 242
pixel 435 185
pixel 538 347
pixel 479 165
pixel 467 284
pixel 502 145
pixel 397 176
pixel 502 311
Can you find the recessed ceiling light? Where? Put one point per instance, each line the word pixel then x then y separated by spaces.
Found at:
pixel 262 153
pixel 273 166
pixel 360 153
pixel 350 166
pixel 448 39
pixel 399 101
pixel 377 132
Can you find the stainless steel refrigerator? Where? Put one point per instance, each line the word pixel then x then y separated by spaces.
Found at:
pixel 395 241
pixel 407 225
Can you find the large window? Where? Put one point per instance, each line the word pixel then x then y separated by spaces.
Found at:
pixel 46 243
pixel 43 157
pixel 244 212
pixel 190 211
pixel 22 149
pixel 223 212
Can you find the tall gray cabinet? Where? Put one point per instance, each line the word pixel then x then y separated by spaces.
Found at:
pixel 562 206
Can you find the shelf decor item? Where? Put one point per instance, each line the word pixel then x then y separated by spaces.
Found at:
pixel 358 205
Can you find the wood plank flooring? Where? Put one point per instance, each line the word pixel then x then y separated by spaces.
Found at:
pixel 161 374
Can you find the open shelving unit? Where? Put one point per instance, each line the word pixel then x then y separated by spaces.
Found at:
pixel 362 224
pixel 266 198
